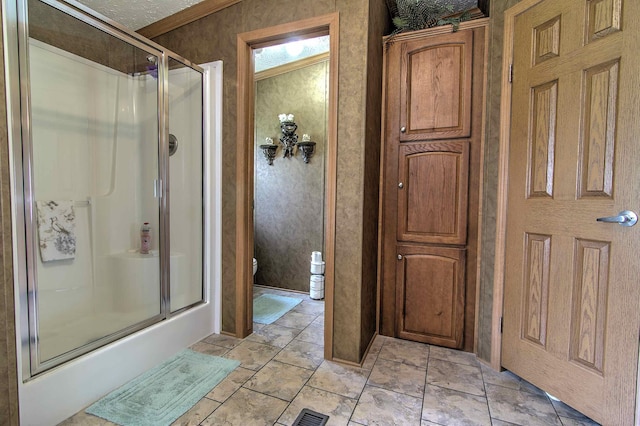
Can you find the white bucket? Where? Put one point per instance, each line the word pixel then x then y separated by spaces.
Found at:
pixel 316 284
pixel 317 268
pixel 316 256
pixel 317 294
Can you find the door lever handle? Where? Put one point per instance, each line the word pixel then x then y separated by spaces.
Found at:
pixel 624 218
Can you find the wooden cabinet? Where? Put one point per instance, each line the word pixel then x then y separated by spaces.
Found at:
pixel 430 184
pixel 430 294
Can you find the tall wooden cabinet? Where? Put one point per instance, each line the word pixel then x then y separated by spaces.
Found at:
pixel 430 184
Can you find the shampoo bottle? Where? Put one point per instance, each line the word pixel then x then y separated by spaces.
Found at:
pixel 145 238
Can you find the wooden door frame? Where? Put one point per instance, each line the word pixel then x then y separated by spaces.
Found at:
pixel 312 27
pixel 510 16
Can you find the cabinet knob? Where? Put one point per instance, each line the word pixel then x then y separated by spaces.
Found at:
pixel 399 257
pixel 401 185
pixel 403 129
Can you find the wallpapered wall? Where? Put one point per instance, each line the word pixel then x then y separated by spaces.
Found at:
pixel 362 24
pixel 490 184
pixel 289 195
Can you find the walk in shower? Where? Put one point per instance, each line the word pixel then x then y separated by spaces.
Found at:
pixel 109 164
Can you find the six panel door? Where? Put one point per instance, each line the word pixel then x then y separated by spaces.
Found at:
pixel 571 317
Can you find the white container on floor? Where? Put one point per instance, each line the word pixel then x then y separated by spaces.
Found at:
pixel 316 284
pixel 316 256
pixel 317 268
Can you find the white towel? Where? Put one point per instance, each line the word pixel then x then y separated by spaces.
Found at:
pixel 56 230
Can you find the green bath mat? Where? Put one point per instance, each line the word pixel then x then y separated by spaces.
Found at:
pixel 164 393
pixel 269 307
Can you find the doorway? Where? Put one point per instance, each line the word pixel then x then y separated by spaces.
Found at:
pixel 248 43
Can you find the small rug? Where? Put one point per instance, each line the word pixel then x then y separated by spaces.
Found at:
pixel 269 307
pixel 164 393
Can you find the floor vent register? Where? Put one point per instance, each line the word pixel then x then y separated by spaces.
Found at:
pixel 310 418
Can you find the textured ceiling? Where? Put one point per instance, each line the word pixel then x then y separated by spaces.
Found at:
pixel 135 14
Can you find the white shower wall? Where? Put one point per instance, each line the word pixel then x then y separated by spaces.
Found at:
pixel 94 133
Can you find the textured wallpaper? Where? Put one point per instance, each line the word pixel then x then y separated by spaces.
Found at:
pixel 490 190
pixel 289 195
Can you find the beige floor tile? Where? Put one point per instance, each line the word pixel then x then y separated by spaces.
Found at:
pixel 252 355
pixel 338 408
pixel 319 321
pixel 341 379
pixel 209 349
pixel 520 407
pixel 230 384
pixel 372 355
pixel 460 377
pixel 404 351
pixel 197 413
pixel 452 355
pixel 398 377
pixel 258 326
pixel 382 407
pixel 246 407
pixel 496 422
pixel 311 334
pixel 568 421
pixel 449 407
pixel 564 410
pixel 295 320
pixel 508 380
pixel 280 380
pixel 310 307
pixel 274 335
pixel 302 354
pixel 83 419
pixel 223 340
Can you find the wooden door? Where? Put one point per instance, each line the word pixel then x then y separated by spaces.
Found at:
pixel 432 192
pixel 435 99
pixel 572 297
pixel 430 300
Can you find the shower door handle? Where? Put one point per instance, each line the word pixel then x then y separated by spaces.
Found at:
pixel 157 188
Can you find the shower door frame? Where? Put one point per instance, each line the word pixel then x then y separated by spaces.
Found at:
pixel 24 221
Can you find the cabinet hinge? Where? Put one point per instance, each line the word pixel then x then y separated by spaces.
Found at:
pixel 501 325
pixel 510 73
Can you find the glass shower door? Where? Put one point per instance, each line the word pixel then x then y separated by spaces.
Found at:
pixel 186 185
pixel 91 176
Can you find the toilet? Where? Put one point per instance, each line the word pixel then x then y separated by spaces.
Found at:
pixel 255 267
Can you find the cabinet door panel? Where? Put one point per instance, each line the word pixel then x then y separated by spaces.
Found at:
pixel 435 92
pixel 430 295
pixel 432 196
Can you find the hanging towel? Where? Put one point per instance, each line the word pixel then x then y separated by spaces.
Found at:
pixel 56 230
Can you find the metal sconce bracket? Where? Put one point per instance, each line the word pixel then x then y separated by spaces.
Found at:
pixel 308 148
pixel 269 151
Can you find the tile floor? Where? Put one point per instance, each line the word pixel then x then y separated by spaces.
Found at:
pixel 282 371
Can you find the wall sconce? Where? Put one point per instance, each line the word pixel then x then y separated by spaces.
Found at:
pixel 269 150
pixel 307 146
pixel 289 137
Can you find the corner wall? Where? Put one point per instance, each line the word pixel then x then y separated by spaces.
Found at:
pixel 490 184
